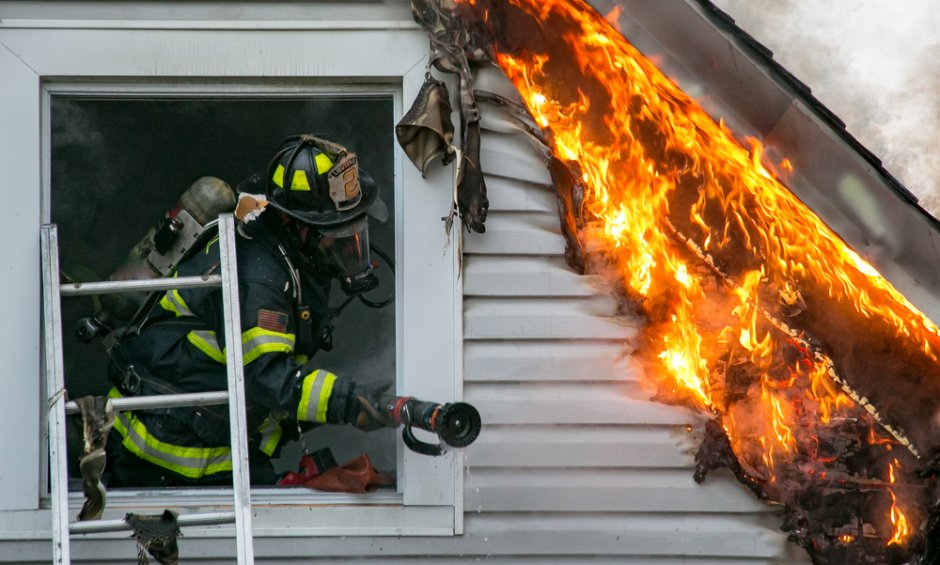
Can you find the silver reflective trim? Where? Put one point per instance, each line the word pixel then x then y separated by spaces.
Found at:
pixel 257 341
pixel 270 435
pixel 313 401
pixel 206 341
pixel 191 462
pixel 176 303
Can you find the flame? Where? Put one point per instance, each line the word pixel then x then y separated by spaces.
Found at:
pixel 665 184
pixel 875 440
pixel 628 191
pixel 901 527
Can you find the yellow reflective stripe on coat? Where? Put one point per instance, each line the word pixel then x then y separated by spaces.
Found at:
pixel 205 341
pixel 255 343
pixel 271 433
pixel 258 341
pixel 315 396
pixel 212 242
pixel 173 302
pixel 190 462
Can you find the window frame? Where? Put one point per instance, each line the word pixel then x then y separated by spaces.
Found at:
pixel 268 60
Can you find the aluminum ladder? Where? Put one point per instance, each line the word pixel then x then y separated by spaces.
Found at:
pixel 53 291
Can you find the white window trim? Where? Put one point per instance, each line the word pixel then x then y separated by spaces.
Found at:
pixel 213 58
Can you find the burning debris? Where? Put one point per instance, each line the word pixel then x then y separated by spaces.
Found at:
pixel 822 379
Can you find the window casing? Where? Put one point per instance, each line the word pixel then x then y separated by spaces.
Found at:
pixel 221 60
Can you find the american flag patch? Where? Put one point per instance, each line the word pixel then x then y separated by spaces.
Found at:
pixel 272 320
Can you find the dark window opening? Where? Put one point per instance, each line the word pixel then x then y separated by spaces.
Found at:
pixel 119 164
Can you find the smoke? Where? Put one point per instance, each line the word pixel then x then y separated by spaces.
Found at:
pixel 875 63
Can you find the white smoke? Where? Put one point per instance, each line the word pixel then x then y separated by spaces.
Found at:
pixel 875 63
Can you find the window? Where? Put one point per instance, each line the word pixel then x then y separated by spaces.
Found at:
pixel 119 162
pixel 83 65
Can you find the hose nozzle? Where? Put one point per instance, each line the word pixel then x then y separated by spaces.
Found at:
pixel 456 424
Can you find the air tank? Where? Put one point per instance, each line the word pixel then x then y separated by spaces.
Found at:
pixel 161 250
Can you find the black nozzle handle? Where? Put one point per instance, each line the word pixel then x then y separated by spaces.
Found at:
pixel 422 447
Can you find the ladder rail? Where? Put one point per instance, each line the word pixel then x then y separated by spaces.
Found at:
pixel 53 291
pixel 238 418
pixel 55 395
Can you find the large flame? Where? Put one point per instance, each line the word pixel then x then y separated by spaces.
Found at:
pixel 713 246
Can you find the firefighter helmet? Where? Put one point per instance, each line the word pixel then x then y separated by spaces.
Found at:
pixel 318 182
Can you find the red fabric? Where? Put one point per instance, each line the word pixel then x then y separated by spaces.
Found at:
pixel 356 476
pixel 308 470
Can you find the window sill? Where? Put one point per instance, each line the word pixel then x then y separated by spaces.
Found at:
pixel 284 513
pixel 276 514
pixel 127 499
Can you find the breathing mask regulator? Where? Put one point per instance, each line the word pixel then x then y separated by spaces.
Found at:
pixel 318 184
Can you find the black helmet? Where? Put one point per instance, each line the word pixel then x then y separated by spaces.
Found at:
pixel 318 182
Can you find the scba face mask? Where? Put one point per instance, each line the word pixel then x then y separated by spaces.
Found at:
pixel 345 249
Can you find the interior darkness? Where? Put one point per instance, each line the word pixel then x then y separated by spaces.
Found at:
pixel 119 164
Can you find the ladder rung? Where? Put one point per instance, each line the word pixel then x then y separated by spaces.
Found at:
pixel 114 287
pixel 162 401
pixel 102 526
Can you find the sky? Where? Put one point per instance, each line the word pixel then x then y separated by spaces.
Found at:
pixel 875 63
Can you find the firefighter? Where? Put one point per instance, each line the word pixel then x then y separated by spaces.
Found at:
pixel 312 230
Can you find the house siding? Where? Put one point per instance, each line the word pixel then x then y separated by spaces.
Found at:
pixel 575 462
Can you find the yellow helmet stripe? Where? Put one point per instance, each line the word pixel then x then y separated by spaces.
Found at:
pixel 299 181
pixel 324 163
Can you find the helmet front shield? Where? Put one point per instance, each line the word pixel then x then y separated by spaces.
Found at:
pixel 347 248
